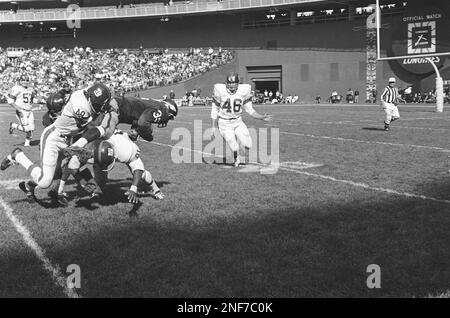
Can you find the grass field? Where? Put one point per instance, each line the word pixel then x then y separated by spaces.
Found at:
pixel 368 197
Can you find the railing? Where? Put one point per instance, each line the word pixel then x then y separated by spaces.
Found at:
pixel 316 18
pixel 98 13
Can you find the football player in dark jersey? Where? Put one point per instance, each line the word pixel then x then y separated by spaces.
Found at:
pixel 142 113
pixel 55 104
pixel 139 113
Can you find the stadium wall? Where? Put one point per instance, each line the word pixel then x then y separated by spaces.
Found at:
pixel 191 31
pixel 334 52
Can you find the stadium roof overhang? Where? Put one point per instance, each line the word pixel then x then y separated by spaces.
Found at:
pixel 64 13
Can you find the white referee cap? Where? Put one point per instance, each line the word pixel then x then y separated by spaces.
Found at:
pixel 392 80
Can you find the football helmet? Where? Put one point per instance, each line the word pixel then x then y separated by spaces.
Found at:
pixel 24 80
pixel 99 96
pixel 104 154
pixel 56 102
pixel 172 109
pixel 232 83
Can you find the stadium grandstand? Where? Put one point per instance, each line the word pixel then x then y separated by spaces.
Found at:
pixel 299 48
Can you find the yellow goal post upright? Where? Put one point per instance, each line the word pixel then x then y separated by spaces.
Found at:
pixel 422 34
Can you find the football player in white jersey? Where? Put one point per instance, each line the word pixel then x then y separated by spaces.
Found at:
pixel 103 154
pixel 228 101
pixel 81 108
pixel 20 98
pixel 127 152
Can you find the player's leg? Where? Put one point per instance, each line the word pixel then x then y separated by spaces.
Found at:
pixel 21 122
pixel 227 130
pixel 51 144
pixel 147 178
pixel 388 114
pixel 29 128
pixel 244 138
pixel 395 114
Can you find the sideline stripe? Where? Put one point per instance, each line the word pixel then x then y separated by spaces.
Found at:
pixel 328 178
pixel 371 123
pixel 349 139
pixel 53 270
pixel 366 141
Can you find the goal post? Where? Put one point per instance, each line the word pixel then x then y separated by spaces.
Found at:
pixel 416 33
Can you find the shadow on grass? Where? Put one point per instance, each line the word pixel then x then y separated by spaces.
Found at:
pixel 33 143
pixel 294 252
pixel 373 129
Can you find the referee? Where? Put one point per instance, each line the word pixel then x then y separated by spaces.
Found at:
pixel 389 99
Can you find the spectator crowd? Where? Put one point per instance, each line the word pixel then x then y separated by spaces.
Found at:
pixel 122 69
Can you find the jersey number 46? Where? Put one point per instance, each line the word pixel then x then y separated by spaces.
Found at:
pixel 237 104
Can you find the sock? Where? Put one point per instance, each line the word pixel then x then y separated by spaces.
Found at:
pixel 149 180
pixel 14 125
pixel 23 160
pixel 19 127
pixel 27 142
pixel 35 172
pixel 61 185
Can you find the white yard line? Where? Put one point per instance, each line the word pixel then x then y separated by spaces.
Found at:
pixel 47 264
pixel 353 140
pixel 366 141
pixel 351 123
pixel 328 178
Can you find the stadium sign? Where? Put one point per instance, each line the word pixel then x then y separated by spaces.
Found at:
pixel 422 30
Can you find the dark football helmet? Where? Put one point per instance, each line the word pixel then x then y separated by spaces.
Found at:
pixel 99 96
pixel 172 108
pixel 104 154
pixel 232 83
pixel 55 103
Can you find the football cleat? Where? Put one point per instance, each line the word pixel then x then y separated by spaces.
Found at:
pixel 11 129
pixel 158 195
pixel 62 199
pixel 59 198
pixel 28 189
pixel 10 160
pixel 237 162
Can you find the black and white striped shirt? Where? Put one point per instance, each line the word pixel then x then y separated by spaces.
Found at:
pixel 390 95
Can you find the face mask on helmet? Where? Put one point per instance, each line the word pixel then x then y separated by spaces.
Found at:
pixel 99 96
pixel 232 83
pixel 172 108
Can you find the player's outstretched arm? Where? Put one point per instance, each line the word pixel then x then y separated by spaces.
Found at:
pixel 265 117
pixel 252 112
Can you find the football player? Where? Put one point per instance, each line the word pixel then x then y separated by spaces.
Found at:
pixel 127 152
pixel 55 104
pixel 20 98
pixel 226 114
pixel 81 108
pixel 141 114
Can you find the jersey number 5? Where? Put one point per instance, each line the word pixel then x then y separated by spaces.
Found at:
pixel 237 104
pixel 26 98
